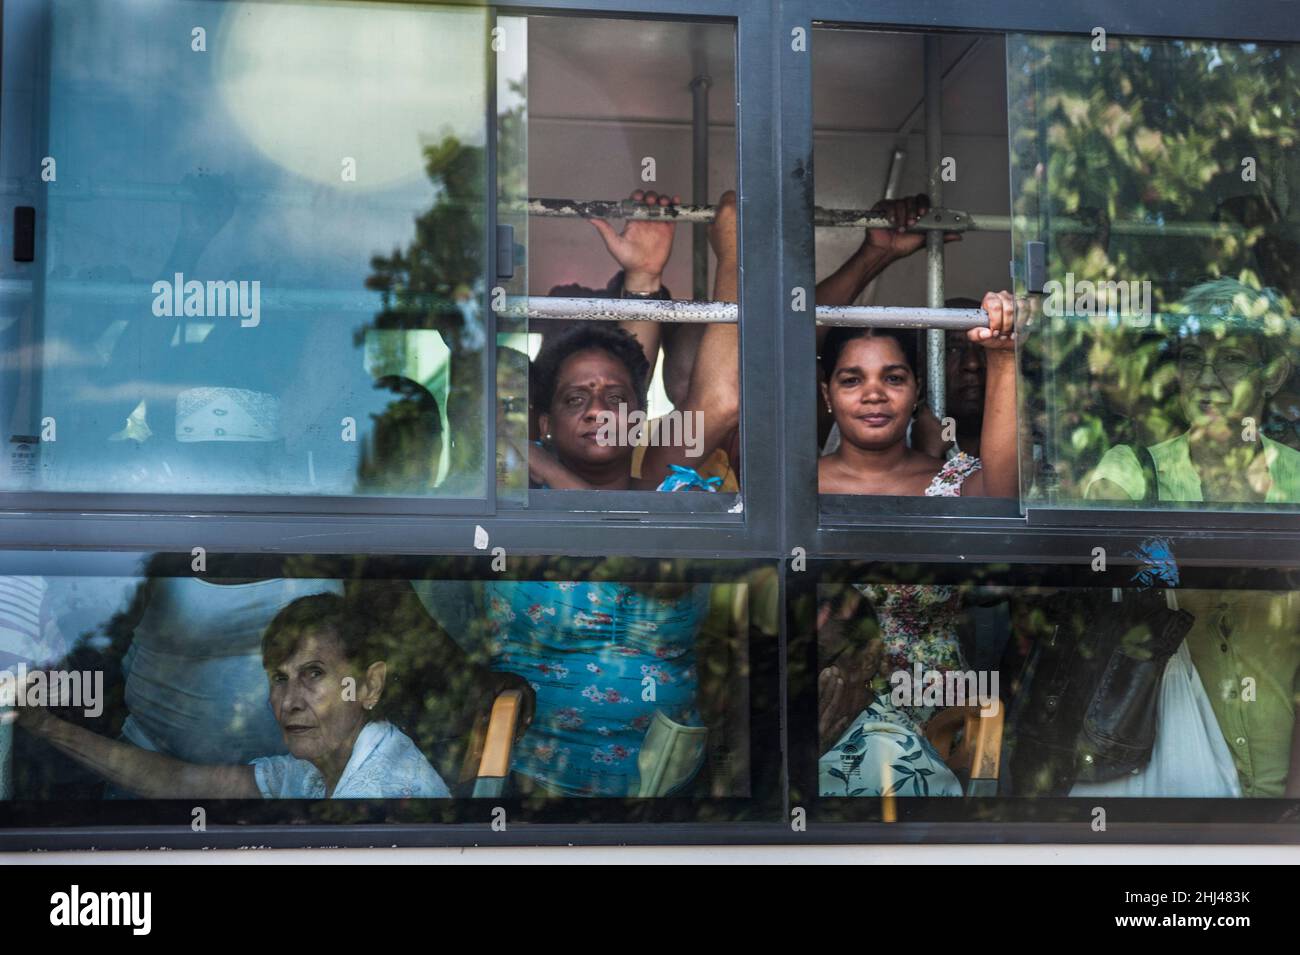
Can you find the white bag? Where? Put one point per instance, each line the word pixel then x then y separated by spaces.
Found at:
pixel 1190 757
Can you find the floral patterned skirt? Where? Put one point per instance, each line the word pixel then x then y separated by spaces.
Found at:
pixel 884 753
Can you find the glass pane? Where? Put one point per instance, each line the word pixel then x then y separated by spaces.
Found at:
pixel 259 256
pixel 1160 177
pixel 381 679
pixel 1032 685
pixel 643 113
pixel 906 407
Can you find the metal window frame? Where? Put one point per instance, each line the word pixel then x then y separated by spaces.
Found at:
pixel 882 530
pixel 121 502
pixel 842 525
pixel 759 491
pixel 781 512
pixel 437 822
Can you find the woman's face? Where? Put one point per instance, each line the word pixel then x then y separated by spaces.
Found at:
pixel 1222 382
pixel 966 369
pixel 319 711
pixel 589 382
pixel 872 393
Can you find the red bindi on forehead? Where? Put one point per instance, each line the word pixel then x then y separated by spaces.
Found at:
pixel 593 370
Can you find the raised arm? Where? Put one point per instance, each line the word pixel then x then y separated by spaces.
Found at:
pixel 147 774
pixel 715 378
pixel 1000 474
pixel 642 250
pixel 880 248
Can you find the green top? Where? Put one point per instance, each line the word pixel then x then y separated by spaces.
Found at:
pixel 1246 647
pixel 1177 480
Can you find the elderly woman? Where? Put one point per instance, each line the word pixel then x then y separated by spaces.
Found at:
pixel 324 687
pixel 1231 360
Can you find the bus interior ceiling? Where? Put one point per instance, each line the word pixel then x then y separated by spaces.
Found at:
pixel 605 94
pixel 867 87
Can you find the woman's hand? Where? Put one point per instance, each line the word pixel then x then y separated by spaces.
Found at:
pixel 644 245
pixel 896 241
pixel 545 469
pixel 856 654
pixel 38 720
pixel 722 230
pixel 1001 332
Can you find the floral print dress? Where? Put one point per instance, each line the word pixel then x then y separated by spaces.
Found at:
pixel 884 750
pixel 590 651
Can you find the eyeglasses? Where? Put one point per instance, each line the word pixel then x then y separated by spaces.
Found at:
pixel 1230 368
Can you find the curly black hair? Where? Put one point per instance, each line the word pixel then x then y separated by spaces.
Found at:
pixel 838 337
pixel 612 340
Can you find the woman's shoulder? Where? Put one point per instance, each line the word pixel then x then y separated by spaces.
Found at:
pixel 832 478
pixel 401 772
pixel 1120 466
pixel 1286 454
pixel 1284 465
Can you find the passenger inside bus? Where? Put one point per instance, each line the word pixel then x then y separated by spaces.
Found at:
pixel 1232 358
pixel 585 378
pixel 617 673
pixel 873 391
pixel 338 747
pixel 1227 683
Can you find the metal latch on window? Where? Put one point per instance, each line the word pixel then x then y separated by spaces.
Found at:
pixel 24 234
pixel 505 252
pixel 1035 266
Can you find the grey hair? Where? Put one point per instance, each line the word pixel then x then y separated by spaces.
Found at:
pixel 1225 305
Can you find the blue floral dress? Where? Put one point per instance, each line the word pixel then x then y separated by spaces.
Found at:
pixel 601 658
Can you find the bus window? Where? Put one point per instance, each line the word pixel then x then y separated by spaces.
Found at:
pixel 259 255
pixel 1158 197
pixel 310 679
pixel 630 298
pixel 915 395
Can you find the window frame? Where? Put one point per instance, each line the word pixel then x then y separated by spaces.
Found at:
pixel 839 527
pixel 781 517
pixel 465 817
pixel 126 502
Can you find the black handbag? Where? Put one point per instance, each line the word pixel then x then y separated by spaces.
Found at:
pixel 1087 707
